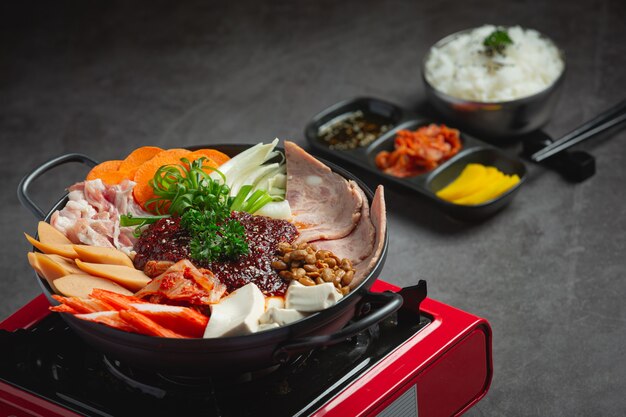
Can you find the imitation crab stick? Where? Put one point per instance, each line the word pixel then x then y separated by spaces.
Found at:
pixel 144 325
pixel 84 305
pixel 118 301
pixel 109 318
pixel 63 308
pixel 186 321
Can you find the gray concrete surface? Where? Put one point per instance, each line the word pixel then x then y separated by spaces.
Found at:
pixel 104 77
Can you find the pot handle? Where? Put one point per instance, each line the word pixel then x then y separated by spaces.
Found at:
pixel 22 188
pixel 391 303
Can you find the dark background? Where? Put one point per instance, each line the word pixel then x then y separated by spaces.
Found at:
pixel 105 77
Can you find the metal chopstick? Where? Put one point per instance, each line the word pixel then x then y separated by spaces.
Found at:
pixel 612 117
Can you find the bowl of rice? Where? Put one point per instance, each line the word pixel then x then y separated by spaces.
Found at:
pixel 497 82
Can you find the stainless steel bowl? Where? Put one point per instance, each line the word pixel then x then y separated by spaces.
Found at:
pixel 495 120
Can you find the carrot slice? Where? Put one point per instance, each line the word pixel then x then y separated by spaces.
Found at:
pixel 144 325
pixel 218 157
pixel 143 191
pixel 138 157
pixel 108 172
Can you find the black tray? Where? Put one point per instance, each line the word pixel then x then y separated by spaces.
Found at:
pixel 427 184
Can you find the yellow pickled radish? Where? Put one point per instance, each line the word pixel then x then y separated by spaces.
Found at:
pixel 477 184
pixel 466 183
pixel 490 191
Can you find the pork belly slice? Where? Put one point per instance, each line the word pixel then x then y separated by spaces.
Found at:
pixel 358 244
pixel 91 216
pixel 379 219
pixel 324 204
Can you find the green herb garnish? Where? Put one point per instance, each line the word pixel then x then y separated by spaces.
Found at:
pixel 139 221
pixel 204 205
pixel 251 204
pixel 497 42
pixel 183 186
pixel 213 237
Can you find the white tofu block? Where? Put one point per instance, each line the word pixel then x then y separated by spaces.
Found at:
pixel 311 299
pixel 237 314
pixel 267 326
pixel 281 316
pixel 277 301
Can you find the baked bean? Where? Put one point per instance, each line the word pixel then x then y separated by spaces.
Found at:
pixel 306 281
pixel 346 265
pixel 288 275
pixel 337 281
pixel 309 266
pixel 339 273
pixel 347 278
pixel 279 265
pixel 298 255
pixel 327 274
pixel 296 264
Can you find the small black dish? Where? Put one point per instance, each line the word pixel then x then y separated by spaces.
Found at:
pixel 427 184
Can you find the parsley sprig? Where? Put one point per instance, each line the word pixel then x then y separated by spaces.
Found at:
pixel 204 205
pixel 213 237
pixel 497 42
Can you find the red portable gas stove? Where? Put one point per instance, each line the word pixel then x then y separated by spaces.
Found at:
pixel 429 359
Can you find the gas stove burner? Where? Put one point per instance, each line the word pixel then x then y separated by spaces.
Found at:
pixel 435 352
pixel 143 382
pixel 224 380
pixel 158 384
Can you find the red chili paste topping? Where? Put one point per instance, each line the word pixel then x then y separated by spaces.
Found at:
pixel 165 240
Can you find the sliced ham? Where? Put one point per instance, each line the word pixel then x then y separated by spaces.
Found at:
pixel 358 244
pixel 324 204
pixel 379 219
pixel 91 216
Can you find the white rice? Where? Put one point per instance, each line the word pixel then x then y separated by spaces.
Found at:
pixel 461 69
